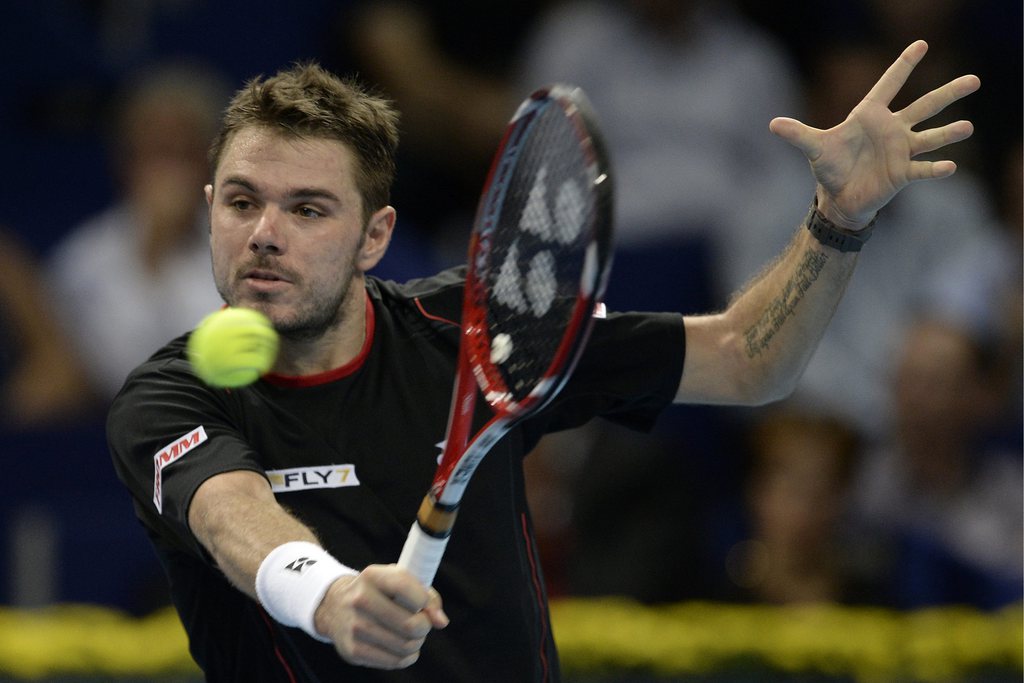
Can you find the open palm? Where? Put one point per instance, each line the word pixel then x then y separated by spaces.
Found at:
pixel 863 162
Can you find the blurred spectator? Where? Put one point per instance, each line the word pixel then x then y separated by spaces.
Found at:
pixel 618 515
pixel 449 66
pixel 797 499
pixel 951 507
pixel 73 55
pixel 684 92
pixel 977 36
pixel 137 274
pixel 1011 205
pixel 981 36
pixel 43 382
pixel 62 500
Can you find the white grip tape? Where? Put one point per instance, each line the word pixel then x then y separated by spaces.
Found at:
pixel 293 579
pixel 422 554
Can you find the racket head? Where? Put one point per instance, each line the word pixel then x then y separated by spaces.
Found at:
pixel 540 252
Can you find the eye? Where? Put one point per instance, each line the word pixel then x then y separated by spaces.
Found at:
pixel 241 204
pixel 309 212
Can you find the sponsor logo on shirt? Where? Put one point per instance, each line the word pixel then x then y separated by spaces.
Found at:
pixel 171 453
pixel 317 477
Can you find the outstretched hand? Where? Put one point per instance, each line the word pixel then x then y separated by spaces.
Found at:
pixel 866 160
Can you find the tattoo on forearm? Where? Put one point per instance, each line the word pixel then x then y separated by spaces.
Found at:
pixel 759 336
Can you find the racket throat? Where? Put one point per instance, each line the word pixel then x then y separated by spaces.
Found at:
pixel 436 519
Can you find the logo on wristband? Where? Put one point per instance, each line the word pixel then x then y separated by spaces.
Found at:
pixel 300 564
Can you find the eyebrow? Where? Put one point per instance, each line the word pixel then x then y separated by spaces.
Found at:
pixel 313 193
pixel 299 193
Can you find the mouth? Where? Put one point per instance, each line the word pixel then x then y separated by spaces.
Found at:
pixel 263 275
pixel 264 282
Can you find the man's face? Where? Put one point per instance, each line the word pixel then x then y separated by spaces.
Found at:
pixel 286 230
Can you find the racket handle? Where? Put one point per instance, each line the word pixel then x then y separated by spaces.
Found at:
pixel 422 554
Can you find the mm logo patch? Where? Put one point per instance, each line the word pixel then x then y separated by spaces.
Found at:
pixel 303 478
pixel 169 454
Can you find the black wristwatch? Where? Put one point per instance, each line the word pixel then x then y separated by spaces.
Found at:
pixel 831 235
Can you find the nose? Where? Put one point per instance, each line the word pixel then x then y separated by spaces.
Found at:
pixel 268 235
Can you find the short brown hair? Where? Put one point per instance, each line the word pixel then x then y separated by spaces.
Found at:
pixel 306 100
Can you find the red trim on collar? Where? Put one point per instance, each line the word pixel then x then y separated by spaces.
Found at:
pixel 430 316
pixel 298 381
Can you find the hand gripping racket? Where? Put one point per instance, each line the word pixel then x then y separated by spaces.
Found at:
pixel 539 258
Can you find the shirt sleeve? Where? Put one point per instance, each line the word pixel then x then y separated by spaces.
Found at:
pixel 168 433
pixel 628 373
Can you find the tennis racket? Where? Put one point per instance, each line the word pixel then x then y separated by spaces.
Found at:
pixel 539 258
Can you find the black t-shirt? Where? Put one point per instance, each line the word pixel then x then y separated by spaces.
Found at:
pixel 351 453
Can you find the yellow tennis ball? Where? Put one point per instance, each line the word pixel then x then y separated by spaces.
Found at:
pixel 232 347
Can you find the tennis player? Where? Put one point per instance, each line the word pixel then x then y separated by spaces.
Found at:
pixel 278 509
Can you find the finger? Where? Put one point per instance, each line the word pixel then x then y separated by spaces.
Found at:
pixel 934 138
pixel 371 596
pixel 394 617
pixel 371 655
pixel 897 74
pixel 800 135
pixel 399 585
pixel 435 612
pixel 931 104
pixel 927 170
pixel 369 636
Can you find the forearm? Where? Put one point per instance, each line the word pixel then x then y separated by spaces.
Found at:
pixel 236 518
pixel 755 351
pixel 784 312
pixel 378 618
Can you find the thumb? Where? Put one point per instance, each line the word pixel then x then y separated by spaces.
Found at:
pixel 801 136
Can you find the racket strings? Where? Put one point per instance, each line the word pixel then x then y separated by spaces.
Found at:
pixel 537 256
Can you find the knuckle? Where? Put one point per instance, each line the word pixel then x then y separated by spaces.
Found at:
pixel 359 632
pixel 359 599
pixel 350 651
pixel 417 627
pixel 412 647
pixel 408 661
pixel 362 655
pixel 372 572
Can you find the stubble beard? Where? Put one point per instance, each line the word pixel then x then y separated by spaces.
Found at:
pixel 322 313
pixel 319 312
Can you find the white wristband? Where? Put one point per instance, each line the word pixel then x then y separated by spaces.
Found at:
pixel 293 579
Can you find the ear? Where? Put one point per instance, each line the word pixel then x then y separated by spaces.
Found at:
pixel 376 238
pixel 208 191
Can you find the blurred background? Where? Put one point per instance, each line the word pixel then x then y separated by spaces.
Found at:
pixel 892 479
